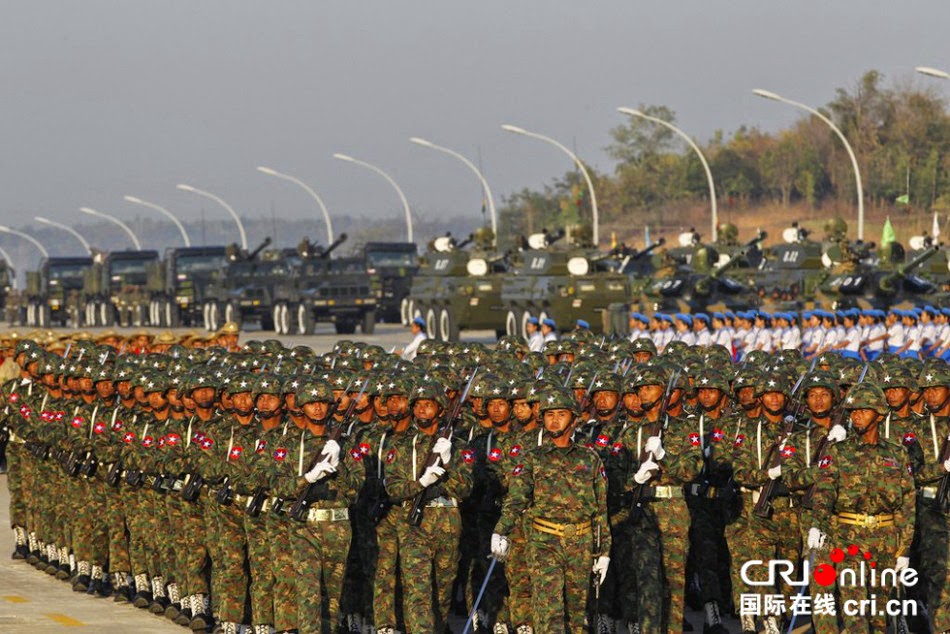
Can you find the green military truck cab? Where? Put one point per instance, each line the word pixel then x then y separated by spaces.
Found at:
pixel 115 288
pixel 178 285
pixel 52 292
pixel 395 263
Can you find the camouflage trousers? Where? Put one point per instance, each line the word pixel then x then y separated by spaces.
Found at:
pixel 320 550
pixel 932 561
pixel 284 571
pixel 361 569
pixel 429 558
pixel 192 551
pixel 16 477
pixel 882 543
pixel 822 623
pixel 387 560
pixel 672 521
pixel 519 579
pixel 560 570
pixel 91 538
pixel 708 552
pixel 261 567
pixel 228 551
pixel 120 559
pixel 636 563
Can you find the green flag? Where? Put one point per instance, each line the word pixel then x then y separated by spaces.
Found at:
pixel 887 234
pixel 902 200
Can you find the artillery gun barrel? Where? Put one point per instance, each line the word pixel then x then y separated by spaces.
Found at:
pixel 253 254
pixel 916 263
pixel 743 250
pixel 464 243
pixel 551 238
pixel 333 246
pixel 650 249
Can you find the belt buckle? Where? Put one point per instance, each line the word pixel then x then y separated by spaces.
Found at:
pixel 569 530
pixel 870 521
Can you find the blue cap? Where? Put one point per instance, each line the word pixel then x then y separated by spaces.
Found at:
pixel 533 320
pixel 665 317
pixel 718 315
pixel 702 317
pixel 686 319
pixel 419 321
pixel 549 322
pixel 582 323
pixel 730 314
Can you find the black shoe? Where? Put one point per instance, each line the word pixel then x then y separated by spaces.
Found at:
pixel 158 605
pixel 101 588
pixel 52 567
pixel 687 626
pixel 123 594
pixel 172 611
pixel 201 622
pixel 715 629
pixel 142 599
pixel 33 557
pixel 64 572
pixel 183 618
pixel 21 552
pixel 82 583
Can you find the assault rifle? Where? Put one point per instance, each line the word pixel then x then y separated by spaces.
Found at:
pixel 655 430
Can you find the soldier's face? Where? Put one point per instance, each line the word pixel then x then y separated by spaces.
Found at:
pixel 343 399
pixel 105 389
pixel 425 411
pixel 139 393
pixel 268 404
pixel 243 402
pixel 361 404
pixel 642 357
pixel 397 405
pixel 935 397
pixel 124 388
pixel 566 357
pixel 631 403
pixel 579 393
pixel 157 400
pixel 558 421
pixel 522 410
pixel 897 397
pixel 650 395
pixel 819 400
pixel 379 406
pixel 499 410
pixel 709 397
pixel 290 403
pixel 774 402
pixel 746 397
pixel 606 400
pixel 86 386
pixel 863 420
pixel 316 411
pixel 202 396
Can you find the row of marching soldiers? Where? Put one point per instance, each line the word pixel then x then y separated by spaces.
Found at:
pixel 286 491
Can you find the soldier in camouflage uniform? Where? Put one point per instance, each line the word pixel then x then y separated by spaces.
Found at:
pixel 432 544
pixel 562 489
pixel 864 495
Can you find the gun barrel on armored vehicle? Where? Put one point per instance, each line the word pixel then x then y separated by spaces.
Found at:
pixel 333 246
pixel 887 282
pixel 639 255
pixel 263 245
pixel 739 254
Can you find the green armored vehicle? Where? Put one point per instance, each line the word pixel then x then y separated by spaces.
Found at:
pixel 792 272
pixel 326 289
pixel 563 284
pixel 862 277
pixel 395 264
pixel 178 285
pixel 244 291
pixel 115 288
pixel 53 292
pixel 696 277
pixel 457 290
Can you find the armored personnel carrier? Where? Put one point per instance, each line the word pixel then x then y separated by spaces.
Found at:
pixel 791 272
pixel 244 290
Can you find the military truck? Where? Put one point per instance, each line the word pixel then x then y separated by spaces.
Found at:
pixel 791 272
pixel 52 292
pixel 696 277
pixel 457 290
pixel 861 276
pixel 178 284
pixel 327 289
pixel 244 291
pixel 115 288
pixel 566 284
pixel 395 263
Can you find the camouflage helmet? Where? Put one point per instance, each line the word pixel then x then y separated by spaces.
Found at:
pixel 866 396
pixel 934 376
pixel 820 378
pixel 650 375
pixel 712 379
pixel 155 382
pixel 428 390
pixel 898 376
pixel 557 397
pixel 240 382
pixel 643 344
pixel 773 382
pixel 607 382
pixel 551 348
pixel 675 347
pixel 746 377
pixel 313 390
pixel 267 384
pixel 395 386
pixel 756 357
pixel 427 347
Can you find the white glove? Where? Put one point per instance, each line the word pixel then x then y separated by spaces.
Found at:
pixel 499 547
pixel 816 539
pixel 946 465
pixel 600 567
pixel 902 563
pixel 775 473
pixel 319 471
pixel 645 472
pixel 654 445
pixel 837 433
pixel 443 447
pixel 431 475
pixel 332 452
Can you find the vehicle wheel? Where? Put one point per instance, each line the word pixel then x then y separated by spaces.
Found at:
pixel 138 315
pixel 153 317
pixel 213 317
pixel 511 322
pixel 345 327
pixel 431 322
pixel 172 314
pixel 31 314
pixel 278 324
pixel 368 325
pixel 106 314
pixel 451 325
pixel 205 315
pixel 45 315
pixel 89 314
pixel 305 321
pixel 405 310
pixel 232 312
pixel 285 318
pixel 416 309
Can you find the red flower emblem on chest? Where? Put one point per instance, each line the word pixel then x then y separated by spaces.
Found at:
pixel 235 452
pixel 495 454
pixel 172 439
pixel 261 446
pixel 99 427
pixel 518 470
pixel 694 439
pixel 25 411
pixel 128 437
pixel 788 451
pixel 161 442
pixel 279 454
pixel 391 455
pixel 468 456
pixel 825 462
pixel 616 448
pixel 739 440
pixel 365 449
pixel 717 435
pixel 515 451
pixel 206 443
pixel 356 454
pixel 148 441
pixel 13 398
pixel 77 422
pixel 603 440
pixel 117 426
pixel 910 438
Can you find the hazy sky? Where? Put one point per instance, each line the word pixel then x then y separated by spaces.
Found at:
pixel 105 98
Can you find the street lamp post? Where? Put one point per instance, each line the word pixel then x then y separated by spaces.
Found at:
pixel 932 72
pixel 115 221
pixel 27 237
pixel 702 159
pixel 485 188
pixel 66 228
pixel 230 210
pixel 9 260
pixel 847 146
pixel 309 190
pixel 402 196
pixel 580 166
pixel 165 212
